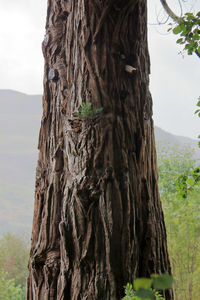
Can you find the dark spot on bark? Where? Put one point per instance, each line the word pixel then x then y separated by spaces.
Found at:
pixel 59 161
pixel 53 74
pixel 65 15
pixel 123 94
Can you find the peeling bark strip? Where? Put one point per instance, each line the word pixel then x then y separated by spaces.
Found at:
pixel 98 221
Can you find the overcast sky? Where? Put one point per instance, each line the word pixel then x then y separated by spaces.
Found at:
pixel 174 80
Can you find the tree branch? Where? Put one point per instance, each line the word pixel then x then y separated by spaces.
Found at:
pixel 169 11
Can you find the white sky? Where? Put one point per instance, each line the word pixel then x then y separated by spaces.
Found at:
pixel 174 80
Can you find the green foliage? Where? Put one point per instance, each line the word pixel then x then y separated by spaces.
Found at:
pixel 186 182
pixel 145 283
pixel 198 113
pixel 129 292
pixel 145 294
pixel 87 112
pixel 14 258
pixel 145 288
pixel 198 110
pixel 162 282
pixel 158 296
pixel 189 29
pixel 8 289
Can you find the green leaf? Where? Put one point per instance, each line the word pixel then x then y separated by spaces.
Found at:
pixel 196 170
pixel 144 294
pixel 197 111
pixel 179 41
pixel 198 103
pixel 142 283
pixel 190 181
pixel 177 29
pixel 162 282
pixel 188 46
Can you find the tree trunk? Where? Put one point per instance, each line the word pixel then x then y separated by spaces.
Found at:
pixel 98 221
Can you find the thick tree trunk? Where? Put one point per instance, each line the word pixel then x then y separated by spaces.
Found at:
pixel 98 221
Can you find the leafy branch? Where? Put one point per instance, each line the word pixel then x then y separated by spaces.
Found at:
pixel 189 29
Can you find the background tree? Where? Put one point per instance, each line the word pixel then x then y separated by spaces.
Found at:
pixel 182 220
pixel 173 161
pixel 13 267
pixel 14 253
pixel 98 221
pixel 8 288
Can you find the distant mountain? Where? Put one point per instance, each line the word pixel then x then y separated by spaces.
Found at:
pixel 162 136
pixel 20 116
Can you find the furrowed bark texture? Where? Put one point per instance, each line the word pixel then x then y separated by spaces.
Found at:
pixel 98 221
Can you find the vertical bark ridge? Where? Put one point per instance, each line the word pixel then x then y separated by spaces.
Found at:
pixel 98 221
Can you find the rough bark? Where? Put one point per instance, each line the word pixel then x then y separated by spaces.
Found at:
pixel 98 221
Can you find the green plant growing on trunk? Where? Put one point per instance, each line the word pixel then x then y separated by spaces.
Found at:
pixel 87 112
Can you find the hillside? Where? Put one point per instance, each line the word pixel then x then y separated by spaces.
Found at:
pixel 20 117
pixel 162 136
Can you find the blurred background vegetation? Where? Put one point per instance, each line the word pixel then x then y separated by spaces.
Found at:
pixel 182 219
pixel 14 252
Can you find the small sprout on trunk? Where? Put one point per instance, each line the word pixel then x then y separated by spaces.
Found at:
pixel 87 112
